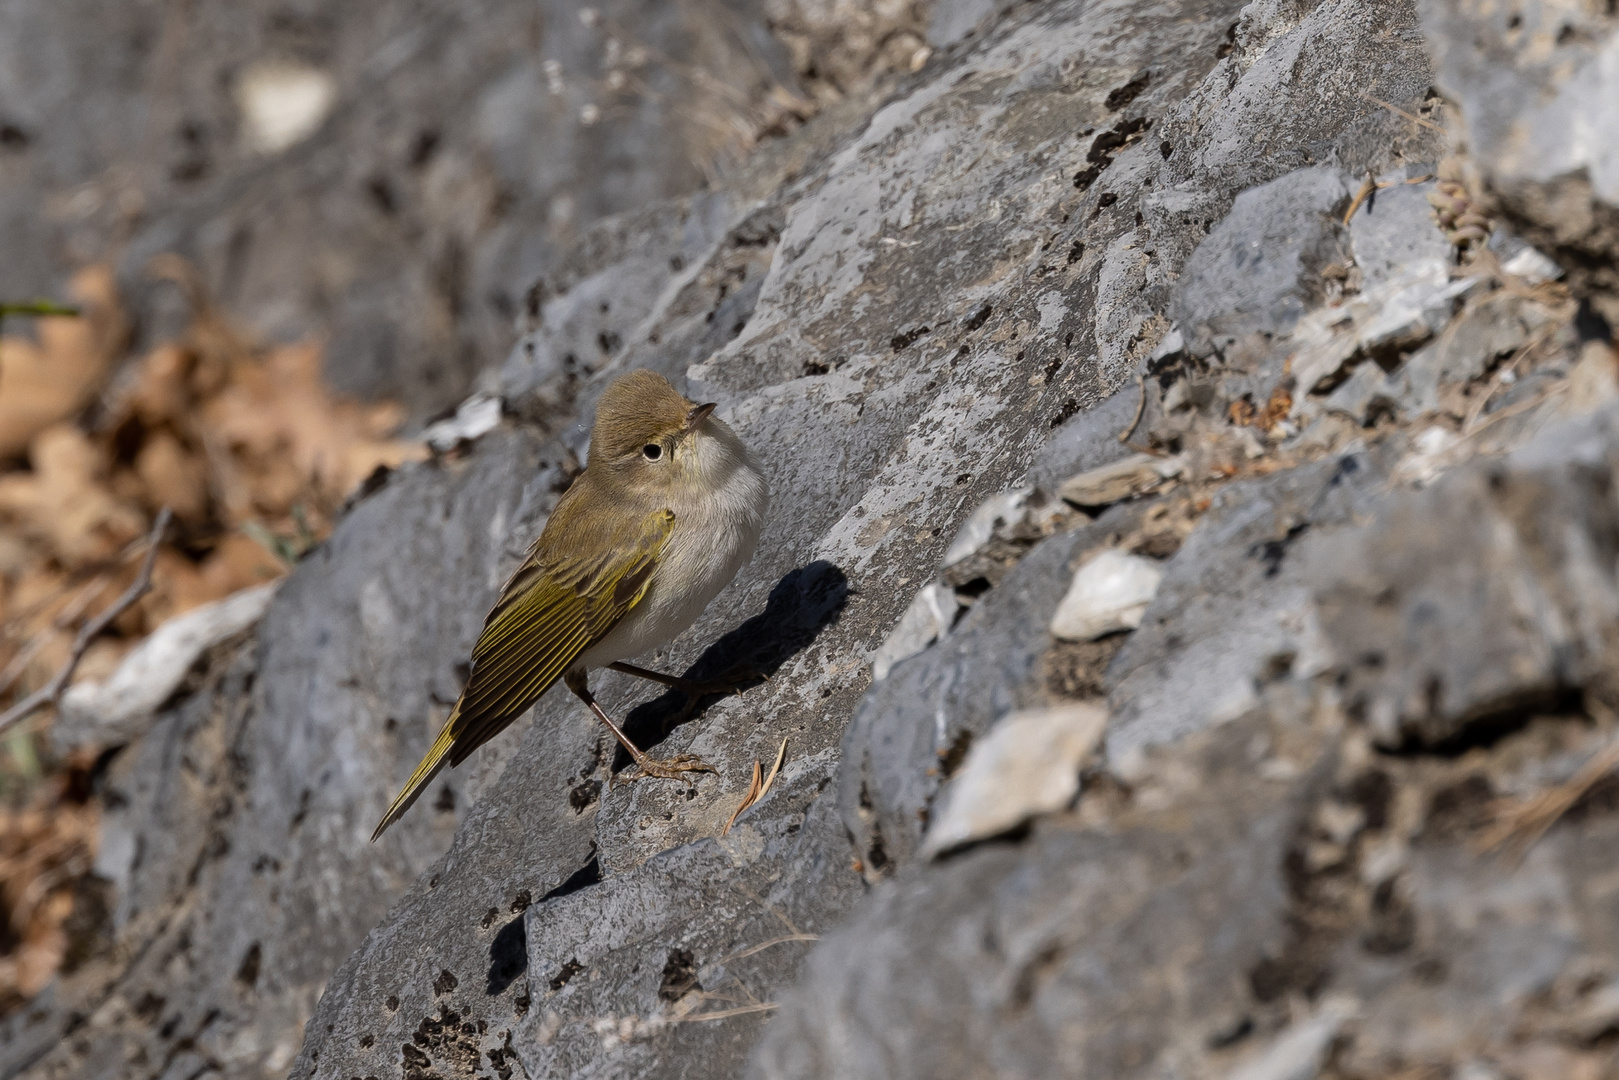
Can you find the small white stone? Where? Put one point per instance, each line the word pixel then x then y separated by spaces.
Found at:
pixel 475 417
pixel 928 619
pixel 1110 592
pixel 283 103
pixel 1532 266
pixel 976 531
pixel 1027 764
pixel 1300 1051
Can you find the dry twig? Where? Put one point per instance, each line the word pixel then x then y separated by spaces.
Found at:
pixel 69 615
pixel 1371 184
pixel 1429 124
pixel 1367 186
pixel 726 1014
pixel 763 945
pixel 1141 407
pixel 1520 824
pixel 51 692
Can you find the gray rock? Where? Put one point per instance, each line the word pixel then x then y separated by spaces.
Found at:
pixel 1191 663
pixel 1493 586
pixel 956 20
pixel 896 309
pixel 1535 86
pixel 1395 228
pixel 1083 952
pixel 1367 394
pixel 1259 270
pixel 932 706
pixel 1470 346
pixel 1357 877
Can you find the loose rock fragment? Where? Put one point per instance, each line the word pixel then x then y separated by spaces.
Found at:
pixel 477 416
pixel 1126 478
pixel 927 620
pixel 977 530
pixel 1299 1052
pixel 1028 764
pixel 109 712
pixel 1110 592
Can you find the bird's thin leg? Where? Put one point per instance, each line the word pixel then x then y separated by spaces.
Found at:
pixel 649 766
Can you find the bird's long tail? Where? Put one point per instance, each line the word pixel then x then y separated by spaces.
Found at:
pixel 430 765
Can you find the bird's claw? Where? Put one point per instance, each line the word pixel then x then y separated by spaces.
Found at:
pixel 669 769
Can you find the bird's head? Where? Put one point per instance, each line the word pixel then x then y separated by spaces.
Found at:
pixel 651 438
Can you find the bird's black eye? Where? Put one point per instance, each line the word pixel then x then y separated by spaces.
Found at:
pixel 652 451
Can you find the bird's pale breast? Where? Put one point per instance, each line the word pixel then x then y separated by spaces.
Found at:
pixel 714 535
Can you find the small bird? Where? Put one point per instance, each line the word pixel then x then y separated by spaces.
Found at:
pixel 668 509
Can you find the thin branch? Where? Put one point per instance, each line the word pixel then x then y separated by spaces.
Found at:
pixel 51 692
pixel 20 617
pixel 1429 124
pixel 70 614
pixel 726 1014
pixel 1367 186
pixel 763 945
pixel 1141 407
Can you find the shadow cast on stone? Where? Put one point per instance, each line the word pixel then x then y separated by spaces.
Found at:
pixel 803 603
pixel 508 955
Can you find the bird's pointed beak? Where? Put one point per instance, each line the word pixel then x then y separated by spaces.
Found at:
pixel 695 418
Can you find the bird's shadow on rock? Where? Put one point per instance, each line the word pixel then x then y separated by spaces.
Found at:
pixel 803 603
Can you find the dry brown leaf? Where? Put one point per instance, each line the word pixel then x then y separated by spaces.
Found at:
pixel 279 418
pixel 162 390
pixel 64 501
pixel 238 563
pixel 230 437
pixel 172 476
pixel 44 382
pixel 755 786
pixel 759 787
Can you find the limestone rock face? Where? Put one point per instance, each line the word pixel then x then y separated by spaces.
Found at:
pixel 1075 235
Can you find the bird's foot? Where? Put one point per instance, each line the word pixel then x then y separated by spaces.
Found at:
pixel 669 769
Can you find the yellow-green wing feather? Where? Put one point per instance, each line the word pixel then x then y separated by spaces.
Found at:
pixel 554 607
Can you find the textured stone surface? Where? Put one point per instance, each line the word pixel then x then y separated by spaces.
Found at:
pixel 1531 82
pixel 1358 878
pixel 912 309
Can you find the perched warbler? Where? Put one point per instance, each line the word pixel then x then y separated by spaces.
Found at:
pixel 667 510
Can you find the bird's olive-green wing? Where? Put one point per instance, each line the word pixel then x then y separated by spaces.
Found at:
pixel 556 606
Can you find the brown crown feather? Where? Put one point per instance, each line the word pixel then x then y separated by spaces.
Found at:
pixel 638 408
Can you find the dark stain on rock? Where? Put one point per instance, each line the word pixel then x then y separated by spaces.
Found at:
pixel 564 973
pixel 1123 95
pixel 679 975
pixel 906 338
pixel 1105 146
pixel 247 973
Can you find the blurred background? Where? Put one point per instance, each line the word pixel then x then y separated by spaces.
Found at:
pixel 294 234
